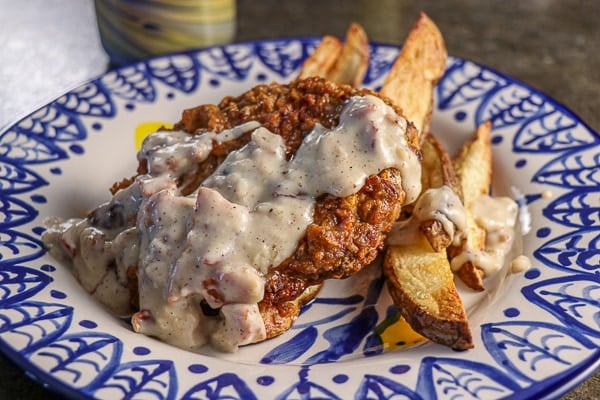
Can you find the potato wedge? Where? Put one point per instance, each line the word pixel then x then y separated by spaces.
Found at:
pixel 341 63
pixel 437 166
pixel 322 59
pixel 351 66
pixel 437 171
pixel 421 284
pixel 421 63
pixel 473 166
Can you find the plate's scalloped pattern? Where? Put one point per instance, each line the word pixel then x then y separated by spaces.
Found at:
pixel 530 345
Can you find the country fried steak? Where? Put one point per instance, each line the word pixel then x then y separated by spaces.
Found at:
pixel 143 251
pixel 347 233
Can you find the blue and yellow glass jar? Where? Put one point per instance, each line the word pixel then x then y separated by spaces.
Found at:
pixel 132 30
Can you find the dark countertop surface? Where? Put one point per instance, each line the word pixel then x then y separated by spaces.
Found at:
pixel 50 46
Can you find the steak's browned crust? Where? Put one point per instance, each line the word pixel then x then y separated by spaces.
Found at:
pixel 346 233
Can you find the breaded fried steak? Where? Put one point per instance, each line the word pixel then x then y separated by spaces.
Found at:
pixel 238 214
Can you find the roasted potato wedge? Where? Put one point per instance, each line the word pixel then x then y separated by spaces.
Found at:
pixel 473 166
pixel 437 166
pixel 416 71
pixel 341 63
pixel 437 171
pixel 351 66
pixel 419 276
pixel 421 284
pixel 417 269
pixel 322 59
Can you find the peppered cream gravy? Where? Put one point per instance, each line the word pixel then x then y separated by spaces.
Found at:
pixel 216 245
pixel 440 204
pixel 498 217
pixel 443 205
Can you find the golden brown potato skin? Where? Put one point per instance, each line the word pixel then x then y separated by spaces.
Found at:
pixel 346 233
pixel 421 284
pixel 419 276
pixel 415 73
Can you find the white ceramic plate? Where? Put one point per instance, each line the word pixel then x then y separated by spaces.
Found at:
pixel 537 335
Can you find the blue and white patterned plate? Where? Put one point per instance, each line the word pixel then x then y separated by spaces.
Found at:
pixel 536 333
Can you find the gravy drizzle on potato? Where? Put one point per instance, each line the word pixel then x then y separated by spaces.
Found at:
pixel 457 232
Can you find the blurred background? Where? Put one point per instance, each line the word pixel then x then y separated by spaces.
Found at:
pixel 553 45
pixel 50 46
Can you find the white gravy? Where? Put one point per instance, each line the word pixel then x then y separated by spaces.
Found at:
pixel 520 264
pixel 440 204
pixel 216 245
pixel 498 217
pixel 444 205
